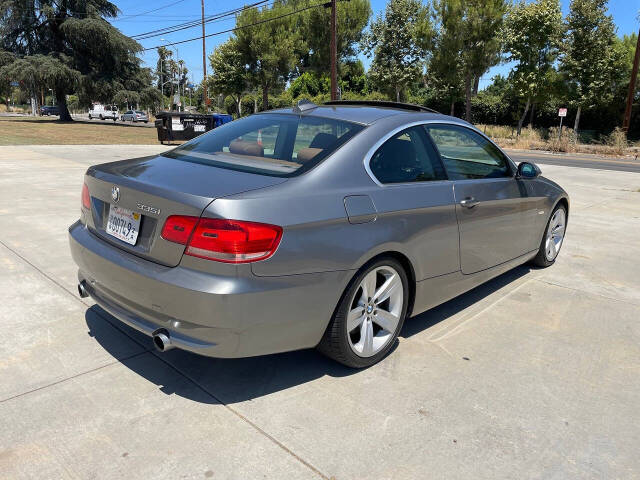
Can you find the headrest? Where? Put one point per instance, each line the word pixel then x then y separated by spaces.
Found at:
pixel 323 140
pixel 306 154
pixel 241 147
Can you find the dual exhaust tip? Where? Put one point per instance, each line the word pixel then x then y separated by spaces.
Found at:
pixel 161 337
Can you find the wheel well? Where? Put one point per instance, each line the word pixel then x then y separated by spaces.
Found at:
pixel 563 201
pixel 408 268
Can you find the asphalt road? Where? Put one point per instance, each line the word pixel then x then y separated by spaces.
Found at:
pixel 627 164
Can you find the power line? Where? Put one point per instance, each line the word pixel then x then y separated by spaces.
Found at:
pixel 242 27
pixel 153 10
pixel 194 23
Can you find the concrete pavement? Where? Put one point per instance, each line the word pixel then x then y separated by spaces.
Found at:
pixel 533 375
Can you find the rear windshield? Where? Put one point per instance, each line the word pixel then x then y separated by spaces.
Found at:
pixel 282 145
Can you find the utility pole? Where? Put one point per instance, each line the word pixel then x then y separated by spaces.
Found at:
pixel 632 88
pixel 333 53
pixel 204 63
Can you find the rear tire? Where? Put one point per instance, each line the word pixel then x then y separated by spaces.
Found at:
pixel 552 239
pixel 356 336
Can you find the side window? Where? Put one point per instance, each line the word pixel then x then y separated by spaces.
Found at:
pixel 466 154
pixel 407 157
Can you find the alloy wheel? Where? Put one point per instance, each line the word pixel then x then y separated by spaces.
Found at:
pixel 375 311
pixel 555 234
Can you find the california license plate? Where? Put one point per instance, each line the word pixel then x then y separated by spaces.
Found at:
pixel 123 224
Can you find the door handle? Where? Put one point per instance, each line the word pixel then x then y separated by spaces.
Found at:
pixel 469 202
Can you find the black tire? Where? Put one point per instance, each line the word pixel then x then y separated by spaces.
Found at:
pixel 335 342
pixel 89 117
pixel 541 260
pixel 101 117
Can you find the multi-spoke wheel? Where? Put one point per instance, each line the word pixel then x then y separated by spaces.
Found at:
pixel 553 238
pixel 369 316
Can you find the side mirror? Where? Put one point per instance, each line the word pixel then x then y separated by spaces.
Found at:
pixel 528 170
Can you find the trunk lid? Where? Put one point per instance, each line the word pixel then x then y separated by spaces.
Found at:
pixel 157 187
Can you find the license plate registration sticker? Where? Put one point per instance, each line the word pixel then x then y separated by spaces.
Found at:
pixel 123 224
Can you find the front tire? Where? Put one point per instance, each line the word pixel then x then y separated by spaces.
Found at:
pixel 370 315
pixel 552 239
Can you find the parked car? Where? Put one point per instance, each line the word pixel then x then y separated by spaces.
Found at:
pixel 103 112
pixel 49 110
pixel 318 226
pixel 134 116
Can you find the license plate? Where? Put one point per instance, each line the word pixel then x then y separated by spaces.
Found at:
pixel 123 224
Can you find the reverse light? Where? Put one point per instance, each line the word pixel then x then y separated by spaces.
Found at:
pixel 230 241
pixel 86 199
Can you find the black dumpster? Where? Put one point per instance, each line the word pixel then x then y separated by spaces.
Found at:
pixel 185 125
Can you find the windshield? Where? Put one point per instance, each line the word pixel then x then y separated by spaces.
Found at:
pixel 282 145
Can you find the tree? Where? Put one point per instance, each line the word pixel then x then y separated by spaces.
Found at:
pixel 481 22
pixel 151 98
pixel 71 41
pixel 445 68
pixel 589 57
pixel 352 18
pixel 268 48
pixel 229 74
pixel 395 41
pixel 162 72
pixel 531 35
pixel 6 58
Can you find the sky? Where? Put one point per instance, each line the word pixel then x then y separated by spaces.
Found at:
pixel 143 16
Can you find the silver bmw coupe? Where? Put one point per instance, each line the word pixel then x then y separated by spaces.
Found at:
pixel 314 226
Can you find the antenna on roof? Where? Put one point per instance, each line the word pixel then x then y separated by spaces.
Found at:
pixel 304 105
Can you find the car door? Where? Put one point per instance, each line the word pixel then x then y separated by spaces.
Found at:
pixel 415 202
pixel 494 211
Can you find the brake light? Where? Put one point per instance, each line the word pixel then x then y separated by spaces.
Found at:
pixel 178 228
pixel 86 199
pixel 230 241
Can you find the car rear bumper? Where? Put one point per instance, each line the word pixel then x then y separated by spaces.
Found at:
pixel 218 316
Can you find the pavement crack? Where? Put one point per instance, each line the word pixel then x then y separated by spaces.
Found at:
pixel 58 382
pixel 586 292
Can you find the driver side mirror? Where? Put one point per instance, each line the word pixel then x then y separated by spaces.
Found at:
pixel 528 170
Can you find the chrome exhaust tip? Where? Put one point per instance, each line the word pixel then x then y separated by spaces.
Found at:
pixel 82 291
pixel 162 341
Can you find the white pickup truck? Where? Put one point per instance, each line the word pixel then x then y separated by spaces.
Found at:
pixel 103 111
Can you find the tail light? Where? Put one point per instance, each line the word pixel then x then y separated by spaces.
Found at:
pixel 86 199
pixel 231 241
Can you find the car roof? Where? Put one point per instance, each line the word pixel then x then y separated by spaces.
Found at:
pixel 365 113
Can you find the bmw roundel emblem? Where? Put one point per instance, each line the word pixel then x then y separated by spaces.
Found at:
pixel 115 193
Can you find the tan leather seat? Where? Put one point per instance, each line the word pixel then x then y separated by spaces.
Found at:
pixel 306 154
pixel 242 147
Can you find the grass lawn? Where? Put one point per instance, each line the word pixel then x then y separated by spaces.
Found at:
pixel 45 131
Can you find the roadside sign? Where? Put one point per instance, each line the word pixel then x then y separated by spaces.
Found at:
pixel 562 112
